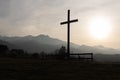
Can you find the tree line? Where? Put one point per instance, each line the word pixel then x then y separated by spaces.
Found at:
pixel 20 53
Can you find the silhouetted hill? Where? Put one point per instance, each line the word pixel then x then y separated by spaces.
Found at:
pixel 98 49
pixel 48 44
pixel 10 46
pixel 36 43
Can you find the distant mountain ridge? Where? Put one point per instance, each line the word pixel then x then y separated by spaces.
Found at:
pixel 35 43
pixel 48 44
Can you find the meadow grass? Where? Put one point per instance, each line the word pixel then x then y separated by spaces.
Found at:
pixel 36 69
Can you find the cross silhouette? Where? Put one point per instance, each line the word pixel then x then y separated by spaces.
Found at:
pixel 68 31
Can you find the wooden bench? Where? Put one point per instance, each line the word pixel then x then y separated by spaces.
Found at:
pixel 88 56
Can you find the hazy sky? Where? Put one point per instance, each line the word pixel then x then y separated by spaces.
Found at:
pixel 34 17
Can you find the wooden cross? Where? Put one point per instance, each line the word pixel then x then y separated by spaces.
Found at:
pixel 68 31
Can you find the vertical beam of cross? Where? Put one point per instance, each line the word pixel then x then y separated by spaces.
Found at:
pixel 68 31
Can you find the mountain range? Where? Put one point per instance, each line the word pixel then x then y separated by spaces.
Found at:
pixel 48 44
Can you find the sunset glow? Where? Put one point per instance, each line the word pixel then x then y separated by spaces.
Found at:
pixel 100 27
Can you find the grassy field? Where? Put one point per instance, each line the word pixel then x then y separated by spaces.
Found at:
pixel 35 69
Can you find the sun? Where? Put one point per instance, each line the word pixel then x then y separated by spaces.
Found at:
pixel 100 27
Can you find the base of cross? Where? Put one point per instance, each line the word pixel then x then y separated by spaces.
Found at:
pixel 81 56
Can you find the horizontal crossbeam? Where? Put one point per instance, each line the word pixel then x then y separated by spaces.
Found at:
pixel 66 22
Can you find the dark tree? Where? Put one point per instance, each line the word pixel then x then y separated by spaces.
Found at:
pixel 35 55
pixel 42 55
pixel 62 52
pixel 4 50
pixel 17 53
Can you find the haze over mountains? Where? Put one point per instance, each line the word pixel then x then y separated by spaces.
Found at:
pixel 48 44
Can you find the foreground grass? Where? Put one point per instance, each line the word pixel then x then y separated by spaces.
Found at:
pixel 35 69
